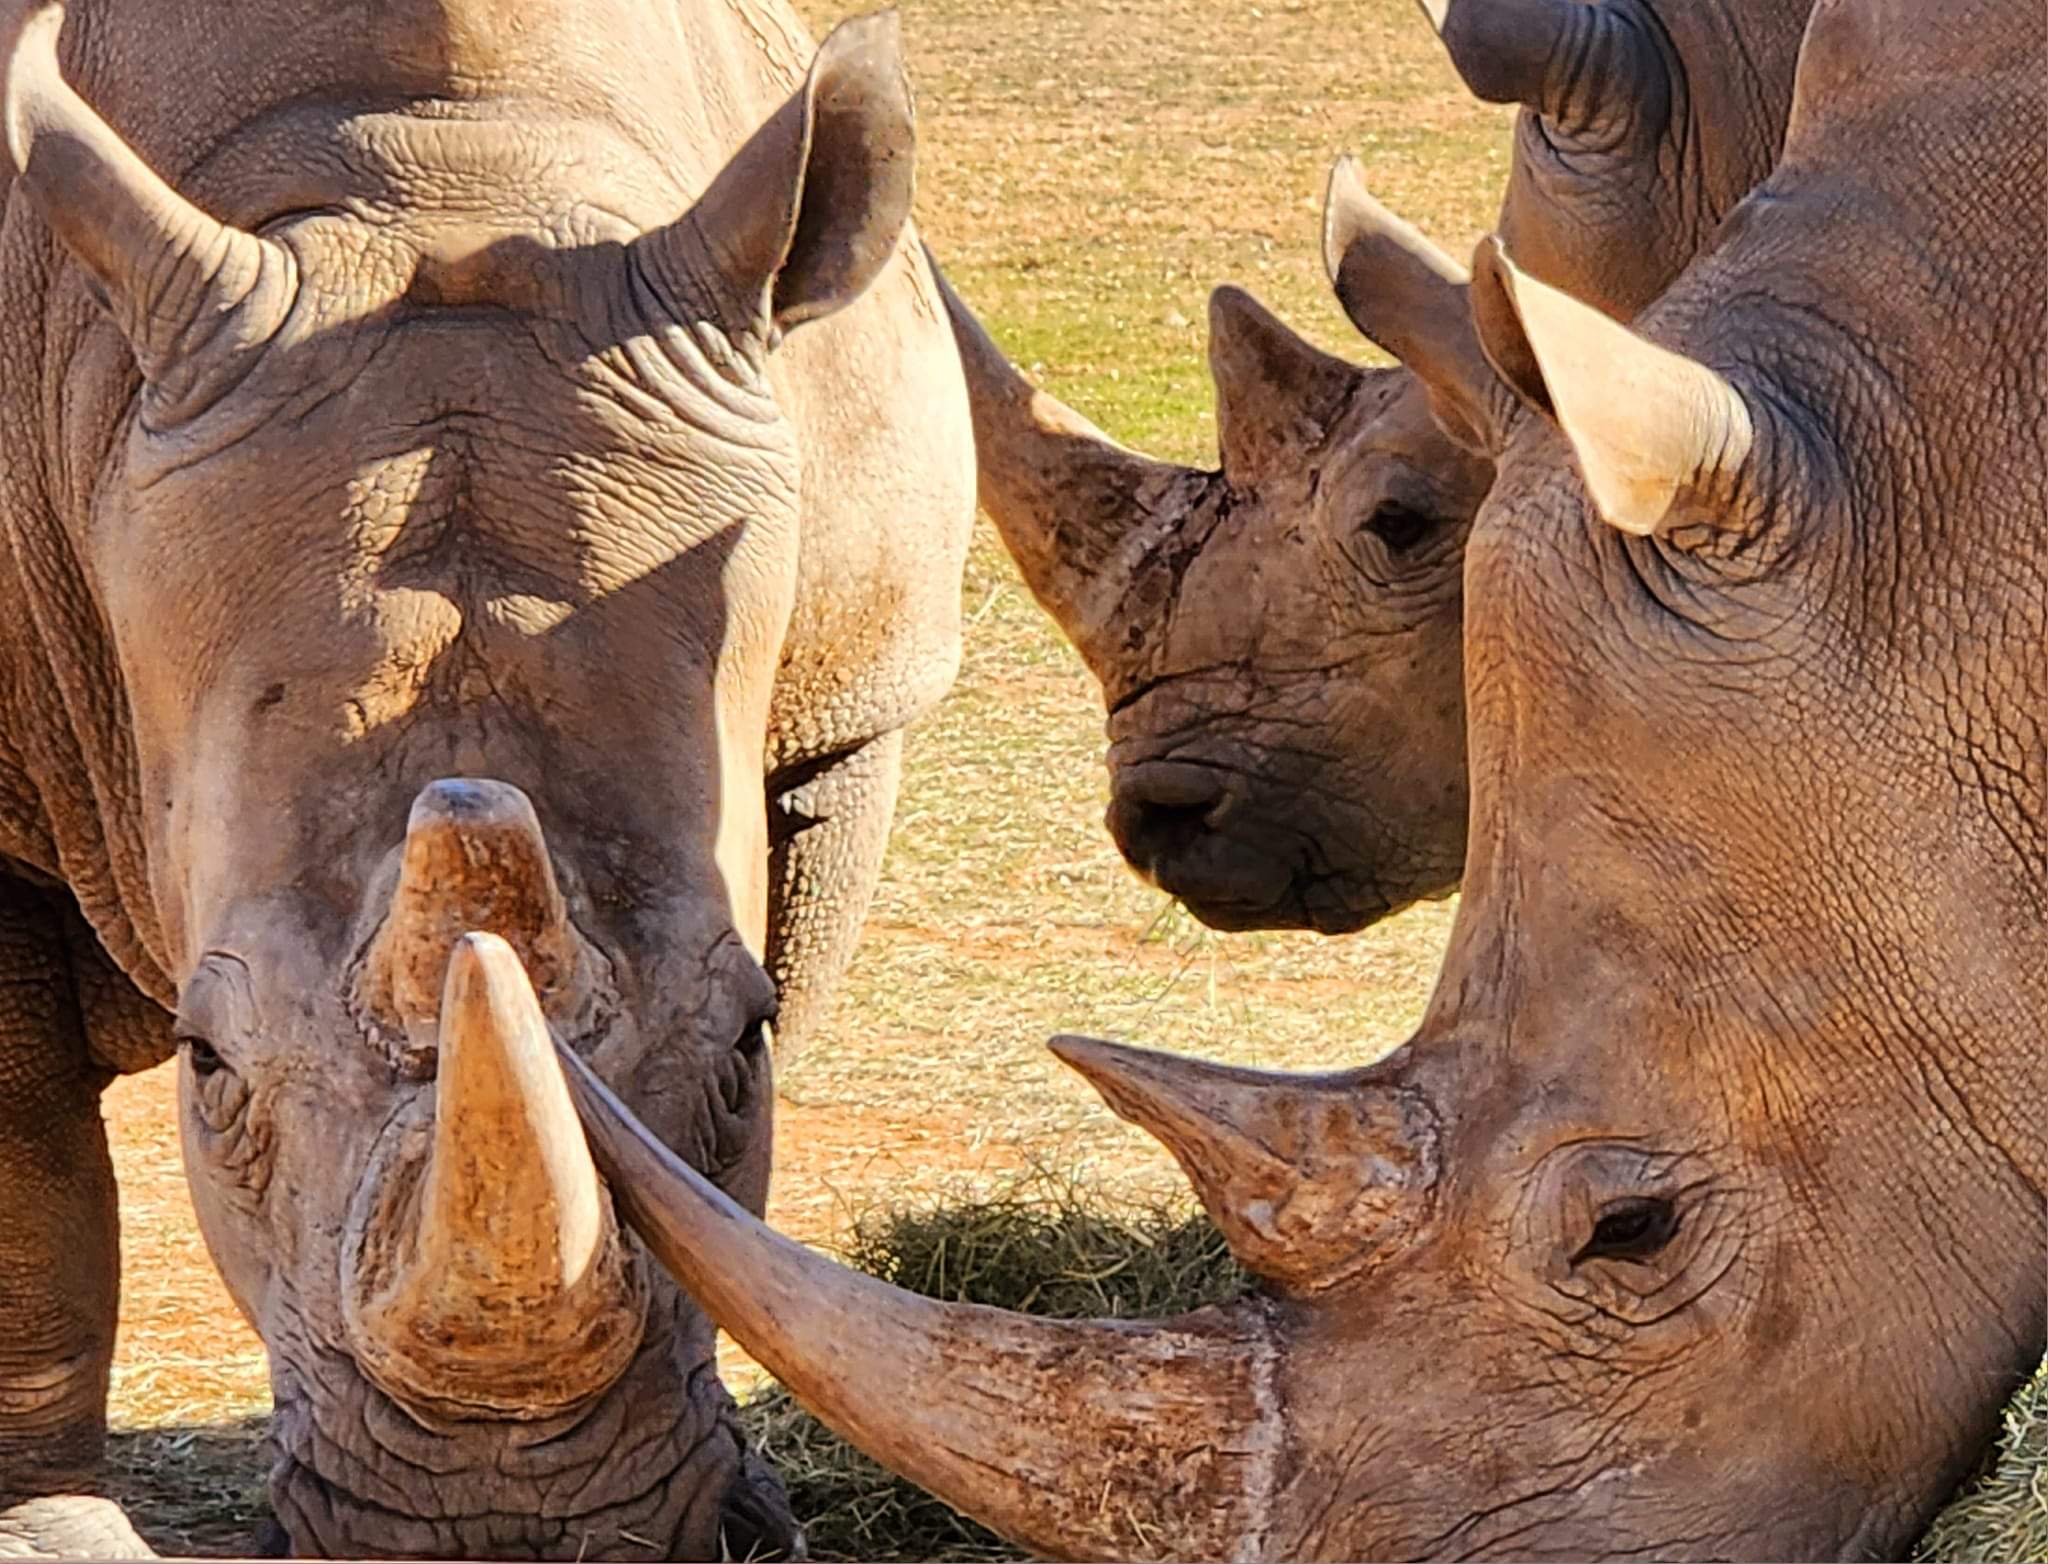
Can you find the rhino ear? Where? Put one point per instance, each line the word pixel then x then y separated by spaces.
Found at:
pixel 1407 297
pixel 1277 394
pixel 1571 61
pixel 807 213
pixel 191 294
pixel 1649 427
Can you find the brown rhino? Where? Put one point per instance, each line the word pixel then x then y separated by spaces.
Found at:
pixel 1278 639
pixel 487 486
pixel 1706 1214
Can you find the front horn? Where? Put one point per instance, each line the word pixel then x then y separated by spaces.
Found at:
pixel 1087 520
pixel 492 1282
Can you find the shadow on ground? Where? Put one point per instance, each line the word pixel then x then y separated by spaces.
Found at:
pixel 194 1488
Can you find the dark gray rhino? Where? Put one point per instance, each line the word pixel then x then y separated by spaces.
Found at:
pixel 1278 640
pixel 487 484
pixel 1706 1214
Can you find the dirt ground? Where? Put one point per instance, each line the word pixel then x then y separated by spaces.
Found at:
pixel 1087 172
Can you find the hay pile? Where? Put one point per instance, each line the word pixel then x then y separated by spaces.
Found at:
pixel 1044 1244
pixel 1050 1246
pixel 2003 1517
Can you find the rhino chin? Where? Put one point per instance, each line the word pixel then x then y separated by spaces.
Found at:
pixel 657 1467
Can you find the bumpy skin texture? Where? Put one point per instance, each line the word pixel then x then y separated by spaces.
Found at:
pixel 1286 720
pixel 1305 607
pixel 1706 1213
pixel 828 824
pixel 535 469
pixel 57 1311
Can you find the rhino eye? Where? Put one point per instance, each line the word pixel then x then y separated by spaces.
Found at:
pixel 204 1057
pixel 1632 1229
pixel 1397 526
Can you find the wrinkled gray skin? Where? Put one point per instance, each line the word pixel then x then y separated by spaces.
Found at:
pixel 1278 640
pixel 473 447
pixel 1706 1214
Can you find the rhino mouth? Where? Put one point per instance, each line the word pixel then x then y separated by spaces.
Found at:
pixel 1238 854
pixel 657 1468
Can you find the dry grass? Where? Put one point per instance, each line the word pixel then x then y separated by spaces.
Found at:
pixel 2004 1517
pixel 1088 172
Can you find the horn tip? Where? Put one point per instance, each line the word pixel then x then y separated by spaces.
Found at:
pixel 470 801
pixel 479 957
pixel 1122 1074
pixel 1436 11
pixel 1088 1054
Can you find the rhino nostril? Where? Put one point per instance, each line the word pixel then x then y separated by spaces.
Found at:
pixel 1158 812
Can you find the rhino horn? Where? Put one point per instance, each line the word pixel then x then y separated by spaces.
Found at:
pixel 1567 60
pixel 1309 1178
pixel 1648 426
pixel 474 858
pixel 186 289
pixel 1277 393
pixel 1084 517
pixel 1410 298
pixel 508 1293
pixel 1075 1439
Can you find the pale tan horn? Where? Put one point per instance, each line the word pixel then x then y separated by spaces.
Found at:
pixel 187 290
pixel 474 858
pixel 1085 518
pixel 1647 425
pixel 499 1287
pixel 1094 1439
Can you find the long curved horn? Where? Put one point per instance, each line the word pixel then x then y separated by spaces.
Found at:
pixel 185 288
pixel 497 1285
pixel 1076 1439
pixel 1084 517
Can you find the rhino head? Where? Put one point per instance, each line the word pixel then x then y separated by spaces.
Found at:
pixel 1279 640
pixel 1706 1214
pixel 1276 639
pixel 431 568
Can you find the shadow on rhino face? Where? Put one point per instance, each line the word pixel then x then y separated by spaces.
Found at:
pixel 465 756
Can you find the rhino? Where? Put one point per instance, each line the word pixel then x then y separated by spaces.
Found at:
pixel 1705 1214
pixel 1278 639
pixel 488 484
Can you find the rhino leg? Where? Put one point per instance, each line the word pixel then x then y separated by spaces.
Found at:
pixel 59 1238
pixel 828 826
pixel 72 1526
